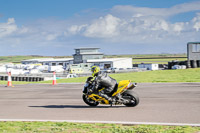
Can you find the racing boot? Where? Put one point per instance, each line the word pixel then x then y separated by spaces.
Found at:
pixel 111 100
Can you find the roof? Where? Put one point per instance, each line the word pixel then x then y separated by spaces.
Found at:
pixel 40 59
pixel 60 59
pixel 106 60
pixel 193 43
pixel 91 53
pixel 49 59
pixel 87 48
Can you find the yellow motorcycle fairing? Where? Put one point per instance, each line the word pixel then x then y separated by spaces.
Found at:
pixel 122 86
pixel 98 98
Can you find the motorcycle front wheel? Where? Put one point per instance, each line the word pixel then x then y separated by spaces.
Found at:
pixel 89 101
pixel 132 97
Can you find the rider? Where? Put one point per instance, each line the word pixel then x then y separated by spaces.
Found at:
pixel 102 80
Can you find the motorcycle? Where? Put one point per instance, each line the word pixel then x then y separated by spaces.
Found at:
pixel 122 94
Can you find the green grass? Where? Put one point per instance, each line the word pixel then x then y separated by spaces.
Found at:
pixel 164 58
pixel 18 59
pixel 161 76
pixel 64 127
pixel 152 58
pixel 146 55
pixel 186 75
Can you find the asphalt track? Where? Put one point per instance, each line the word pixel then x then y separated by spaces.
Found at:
pixel 165 103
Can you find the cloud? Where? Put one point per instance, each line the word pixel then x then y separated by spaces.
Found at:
pixel 161 12
pixel 131 24
pixel 32 38
pixel 119 26
pixel 104 27
pixel 196 21
pixel 8 28
pixel 75 29
pixel 51 37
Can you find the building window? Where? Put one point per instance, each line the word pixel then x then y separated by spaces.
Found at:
pixel 106 66
pixel 77 51
pixel 60 64
pixel 196 48
pixel 53 64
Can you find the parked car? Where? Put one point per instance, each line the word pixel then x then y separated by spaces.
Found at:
pixel 72 76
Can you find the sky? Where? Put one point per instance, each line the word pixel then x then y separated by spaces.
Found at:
pixel 57 27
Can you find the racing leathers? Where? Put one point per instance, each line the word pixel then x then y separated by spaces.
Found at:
pixel 102 80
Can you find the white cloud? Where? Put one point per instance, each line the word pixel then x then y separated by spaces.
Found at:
pixel 121 25
pixel 11 21
pixel 197 26
pixel 23 30
pixel 51 37
pixel 141 24
pixel 104 27
pixel 164 12
pixel 75 29
pixel 8 28
pixel 118 29
pixel 178 27
pixel 196 21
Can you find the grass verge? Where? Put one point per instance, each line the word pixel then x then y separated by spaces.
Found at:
pixel 65 127
pixel 163 76
pixel 185 75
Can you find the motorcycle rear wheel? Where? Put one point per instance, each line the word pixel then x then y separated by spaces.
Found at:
pixel 89 101
pixel 132 97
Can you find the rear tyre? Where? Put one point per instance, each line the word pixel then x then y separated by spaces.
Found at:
pixel 132 97
pixel 89 101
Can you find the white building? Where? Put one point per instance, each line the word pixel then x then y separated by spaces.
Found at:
pixel 83 54
pixel 112 63
pixel 50 61
pixel 149 66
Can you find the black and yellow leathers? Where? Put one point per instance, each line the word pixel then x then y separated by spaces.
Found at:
pixel 122 93
pixel 104 85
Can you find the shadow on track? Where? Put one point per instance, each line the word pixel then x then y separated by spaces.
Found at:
pixel 74 106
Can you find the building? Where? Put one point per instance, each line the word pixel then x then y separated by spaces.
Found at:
pixel 35 61
pixel 80 68
pixel 193 54
pixel 83 60
pixel 83 54
pixel 112 63
pixel 149 66
pixel 50 62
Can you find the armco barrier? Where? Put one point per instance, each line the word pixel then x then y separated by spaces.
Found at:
pixel 20 78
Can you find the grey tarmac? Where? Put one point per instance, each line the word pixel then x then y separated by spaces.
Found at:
pixel 175 103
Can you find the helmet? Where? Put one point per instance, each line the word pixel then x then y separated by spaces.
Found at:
pixel 95 70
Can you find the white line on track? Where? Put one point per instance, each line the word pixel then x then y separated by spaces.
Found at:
pixel 110 122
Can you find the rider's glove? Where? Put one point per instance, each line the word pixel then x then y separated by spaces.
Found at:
pixel 90 90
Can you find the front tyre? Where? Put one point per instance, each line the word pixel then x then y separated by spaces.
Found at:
pixel 89 101
pixel 132 97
